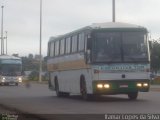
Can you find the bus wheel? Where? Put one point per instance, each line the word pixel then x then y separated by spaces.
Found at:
pixel 58 93
pixel 83 89
pixel 57 88
pixel 133 95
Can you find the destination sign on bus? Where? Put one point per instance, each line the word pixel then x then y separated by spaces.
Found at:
pixel 123 67
pixel 9 61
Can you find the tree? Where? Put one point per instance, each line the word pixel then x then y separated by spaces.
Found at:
pixel 34 76
pixel 155 56
pixel 15 55
pixel 32 64
pixel 29 64
pixel 30 56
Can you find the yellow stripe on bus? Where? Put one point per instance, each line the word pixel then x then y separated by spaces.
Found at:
pixel 78 64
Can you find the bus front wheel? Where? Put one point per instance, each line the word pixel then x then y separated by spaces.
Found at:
pixel 83 90
pixel 57 88
pixel 133 95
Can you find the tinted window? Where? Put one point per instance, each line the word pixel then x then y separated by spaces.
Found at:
pixel 107 47
pixel 62 46
pixel 74 44
pixel 120 47
pixel 52 49
pixel 81 42
pixel 68 45
pixel 56 48
pixel 134 46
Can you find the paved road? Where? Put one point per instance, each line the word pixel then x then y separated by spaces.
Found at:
pixel 39 100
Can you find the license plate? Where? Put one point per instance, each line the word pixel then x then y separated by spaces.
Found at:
pixel 12 84
pixel 123 86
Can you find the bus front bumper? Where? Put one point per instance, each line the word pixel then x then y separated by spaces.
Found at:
pixel 120 86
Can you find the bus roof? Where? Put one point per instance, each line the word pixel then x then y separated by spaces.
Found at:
pixel 9 57
pixel 106 25
pixel 114 25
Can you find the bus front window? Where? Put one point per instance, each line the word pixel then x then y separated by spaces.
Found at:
pixel 107 47
pixel 120 47
pixel 10 69
pixel 135 46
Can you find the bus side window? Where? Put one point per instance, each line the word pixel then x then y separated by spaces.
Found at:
pixel 88 42
pixel 74 44
pixel 68 45
pixel 56 48
pixel 51 49
pixel 48 52
pixel 81 42
pixel 62 46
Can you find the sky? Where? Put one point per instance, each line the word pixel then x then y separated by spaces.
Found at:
pixel 22 19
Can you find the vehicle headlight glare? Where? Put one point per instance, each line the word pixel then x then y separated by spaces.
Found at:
pixel 145 84
pixel 99 85
pixel 139 85
pixel 20 79
pixel 106 86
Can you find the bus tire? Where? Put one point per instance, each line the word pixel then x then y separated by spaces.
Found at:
pixel 58 93
pixel 57 88
pixel 83 90
pixel 133 95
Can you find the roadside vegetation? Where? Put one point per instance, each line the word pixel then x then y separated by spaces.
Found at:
pixel 155 61
pixel 31 63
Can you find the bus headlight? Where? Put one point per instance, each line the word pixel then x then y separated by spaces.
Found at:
pixel 106 86
pixel 139 84
pixel 19 79
pixel 3 79
pixel 145 84
pixel 100 86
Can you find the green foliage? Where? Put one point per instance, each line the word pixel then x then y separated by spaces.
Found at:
pixel 155 56
pixel 30 64
pixel 34 76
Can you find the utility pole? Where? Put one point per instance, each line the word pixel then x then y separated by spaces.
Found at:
pixel 6 43
pixel 40 47
pixel 2 39
pixel 113 11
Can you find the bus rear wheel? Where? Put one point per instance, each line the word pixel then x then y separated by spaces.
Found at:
pixel 58 93
pixel 133 95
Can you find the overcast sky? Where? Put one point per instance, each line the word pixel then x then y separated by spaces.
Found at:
pixel 21 19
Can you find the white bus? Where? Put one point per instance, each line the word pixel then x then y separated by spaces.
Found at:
pixel 10 70
pixel 101 59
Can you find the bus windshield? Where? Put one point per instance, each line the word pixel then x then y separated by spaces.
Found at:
pixel 10 69
pixel 135 46
pixel 120 47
